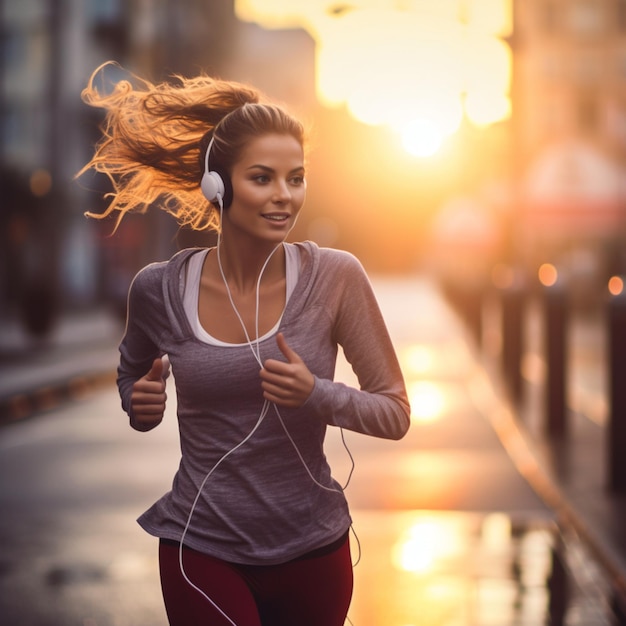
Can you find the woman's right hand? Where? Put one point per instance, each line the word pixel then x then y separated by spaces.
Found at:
pixel 148 398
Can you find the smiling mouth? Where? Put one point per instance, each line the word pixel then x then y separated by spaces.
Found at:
pixel 276 218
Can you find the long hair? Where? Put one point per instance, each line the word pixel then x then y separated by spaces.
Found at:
pixel 154 138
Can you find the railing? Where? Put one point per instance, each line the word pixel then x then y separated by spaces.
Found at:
pixel 551 304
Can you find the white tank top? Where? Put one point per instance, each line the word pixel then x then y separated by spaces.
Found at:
pixel 192 291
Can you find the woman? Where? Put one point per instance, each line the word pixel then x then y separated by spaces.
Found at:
pixel 254 530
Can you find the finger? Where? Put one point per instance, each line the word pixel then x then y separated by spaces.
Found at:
pixel 143 385
pixel 156 371
pixel 275 372
pixel 148 409
pixel 281 400
pixel 153 405
pixel 147 397
pixel 283 346
pixel 277 390
pixel 148 418
pixel 148 405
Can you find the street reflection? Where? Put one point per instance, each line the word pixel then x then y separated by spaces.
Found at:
pixel 424 544
pixel 435 553
pixel 423 568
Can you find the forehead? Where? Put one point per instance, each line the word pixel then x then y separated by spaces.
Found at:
pixel 272 149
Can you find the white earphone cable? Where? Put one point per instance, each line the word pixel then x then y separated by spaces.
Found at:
pixel 255 348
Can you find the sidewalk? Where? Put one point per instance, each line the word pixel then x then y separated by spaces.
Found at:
pixel 568 475
pixel 37 375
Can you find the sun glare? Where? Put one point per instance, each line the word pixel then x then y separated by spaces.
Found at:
pixel 418 68
pixel 422 137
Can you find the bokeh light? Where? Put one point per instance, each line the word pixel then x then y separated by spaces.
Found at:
pixel 616 285
pixel 427 401
pixel 40 183
pixel 548 275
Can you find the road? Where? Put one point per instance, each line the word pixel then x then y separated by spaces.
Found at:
pixel 449 532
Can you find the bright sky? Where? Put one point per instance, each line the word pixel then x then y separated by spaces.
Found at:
pixel 417 66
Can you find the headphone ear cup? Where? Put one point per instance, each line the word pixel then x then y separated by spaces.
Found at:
pixel 212 186
pixel 227 194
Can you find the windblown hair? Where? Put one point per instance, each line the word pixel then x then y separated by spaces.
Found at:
pixel 155 138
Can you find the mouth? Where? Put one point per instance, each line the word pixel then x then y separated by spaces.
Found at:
pixel 278 218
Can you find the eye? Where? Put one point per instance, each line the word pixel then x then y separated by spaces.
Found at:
pixel 262 179
pixel 297 180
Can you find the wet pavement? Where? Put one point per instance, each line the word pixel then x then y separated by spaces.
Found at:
pixel 469 542
pixel 436 568
pixel 456 525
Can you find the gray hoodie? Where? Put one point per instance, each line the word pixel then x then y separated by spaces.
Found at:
pixel 259 504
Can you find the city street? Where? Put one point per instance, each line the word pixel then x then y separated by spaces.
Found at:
pixel 471 154
pixel 449 532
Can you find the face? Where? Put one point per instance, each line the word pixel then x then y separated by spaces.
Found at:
pixel 268 189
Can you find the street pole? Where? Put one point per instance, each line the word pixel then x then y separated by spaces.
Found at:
pixel 555 303
pixel 616 427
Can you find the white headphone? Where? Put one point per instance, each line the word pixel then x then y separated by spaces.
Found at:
pixel 212 184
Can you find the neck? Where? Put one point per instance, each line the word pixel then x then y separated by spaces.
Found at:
pixel 243 266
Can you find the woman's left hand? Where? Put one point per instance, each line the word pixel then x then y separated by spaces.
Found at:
pixel 286 384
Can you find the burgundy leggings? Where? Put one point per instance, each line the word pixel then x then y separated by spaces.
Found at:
pixel 313 590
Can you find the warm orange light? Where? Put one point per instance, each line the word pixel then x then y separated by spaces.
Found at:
pixel 496 531
pixel 427 401
pixel 277 13
pixel 429 540
pixel 548 275
pixel 616 285
pixel 417 359
pixel 488 77
pixel 416 67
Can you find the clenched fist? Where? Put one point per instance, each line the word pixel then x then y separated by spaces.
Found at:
pixel 148 398
pixel 286 384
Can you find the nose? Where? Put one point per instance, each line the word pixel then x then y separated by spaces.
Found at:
pixel 282 193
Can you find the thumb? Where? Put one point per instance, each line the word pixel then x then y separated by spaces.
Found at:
pixel 156 371
pixel 283 346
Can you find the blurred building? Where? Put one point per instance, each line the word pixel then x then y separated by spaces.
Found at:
pixel 570 135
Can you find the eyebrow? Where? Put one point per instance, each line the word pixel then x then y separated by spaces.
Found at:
pixel 265 168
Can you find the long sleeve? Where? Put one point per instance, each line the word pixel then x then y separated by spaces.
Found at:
pixel 139 346
pixel 380 407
